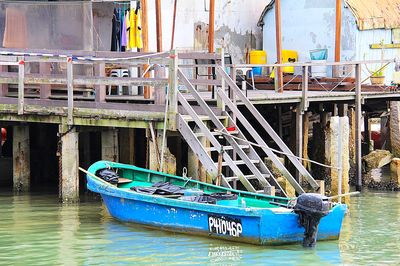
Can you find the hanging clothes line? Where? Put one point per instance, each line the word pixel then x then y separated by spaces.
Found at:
pixel 84 58
pixel 126 31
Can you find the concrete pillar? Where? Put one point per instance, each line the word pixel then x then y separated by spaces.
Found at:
pixel 195 168
pixel 395 128
pixel 339 150
pixel 352 139
pixel 127 145
pixel 109 145
pixel 320 149
pixel 69 180
pixel 21 158
pixel 155 147
pixel 306 127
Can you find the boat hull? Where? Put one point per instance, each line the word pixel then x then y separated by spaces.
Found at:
pixel 249 225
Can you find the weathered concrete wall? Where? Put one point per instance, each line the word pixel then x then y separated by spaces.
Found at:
pixel 21 158
pixel 69 180
pixel 109 145
pixel 307 25
pixel 235 21
pixel 395 128
pixel 339 132
pixel 363 51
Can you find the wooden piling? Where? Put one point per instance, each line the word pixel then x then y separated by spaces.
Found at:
pixel 21 158
pixel 69 179
pixel 358 127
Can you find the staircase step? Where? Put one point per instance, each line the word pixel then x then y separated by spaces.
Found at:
pixel 228 148
pixel 239 162
pixel 189 118
pixel 214 133
pixel 248 177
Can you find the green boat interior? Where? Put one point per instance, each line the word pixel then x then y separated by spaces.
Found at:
pixel 137 177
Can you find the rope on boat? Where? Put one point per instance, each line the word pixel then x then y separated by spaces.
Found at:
pixel 276 151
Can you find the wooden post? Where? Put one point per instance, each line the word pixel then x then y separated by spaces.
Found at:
pixel 173 26
pixel 69 179
pixel 338 29
pixel 159 91
pixel 145 40
pixel 358 128
pixel 70 91
pixel 158 26
pixel 172 91
pixel 145 26
pixel 367 133
pixel 304 99
pixel 211 20
pixel 218 181
pixel 21 158
pixel 21 88
pixel 299 137
pixel 306 122
pixel 278 71
pixel 4 86
pixel 100 90
pixel 45 89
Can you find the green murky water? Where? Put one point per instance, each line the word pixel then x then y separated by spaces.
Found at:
pixel 37 230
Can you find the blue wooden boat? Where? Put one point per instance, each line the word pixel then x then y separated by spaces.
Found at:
pixel 248 217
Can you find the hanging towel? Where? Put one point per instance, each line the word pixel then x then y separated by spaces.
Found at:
pixel 139 41
pixel 132 32
pixel 127 31
pixel 123 34
pixel 115 37
pixel 135 34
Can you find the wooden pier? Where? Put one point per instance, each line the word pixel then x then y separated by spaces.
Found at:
pixel 71 90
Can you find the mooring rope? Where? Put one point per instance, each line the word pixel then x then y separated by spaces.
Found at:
pixel 277 151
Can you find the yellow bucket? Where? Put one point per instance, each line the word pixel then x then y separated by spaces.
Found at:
pixel 258 57
pixel 289 56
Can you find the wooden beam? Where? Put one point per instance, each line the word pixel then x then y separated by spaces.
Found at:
pixel 45 89
pixel 70 78
pixel 338 29
pixel 211 20
pixel 145 26
pixel 21 87
pixel 173 25
pixel 100 90
pixel 158 25
pixel 358 128
pixel 278 72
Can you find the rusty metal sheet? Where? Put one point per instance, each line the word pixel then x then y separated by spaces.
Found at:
pixel 375 14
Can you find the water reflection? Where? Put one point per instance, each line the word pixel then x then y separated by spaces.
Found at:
pixel 38 230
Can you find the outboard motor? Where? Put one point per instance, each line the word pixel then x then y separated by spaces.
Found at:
pixel 108 175
pixel 311 207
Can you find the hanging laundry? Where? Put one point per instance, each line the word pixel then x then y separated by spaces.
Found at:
pixel 139 41
pixel 115 37
pixel 123 31
pixel 135 34
pixel 121 19
pixel 127 29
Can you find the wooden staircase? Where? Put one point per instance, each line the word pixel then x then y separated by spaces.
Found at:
pixel 241 163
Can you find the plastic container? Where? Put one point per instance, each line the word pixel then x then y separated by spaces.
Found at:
pixel 319 54
pixel 289 56
pixel 319 71
pixel 258 57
